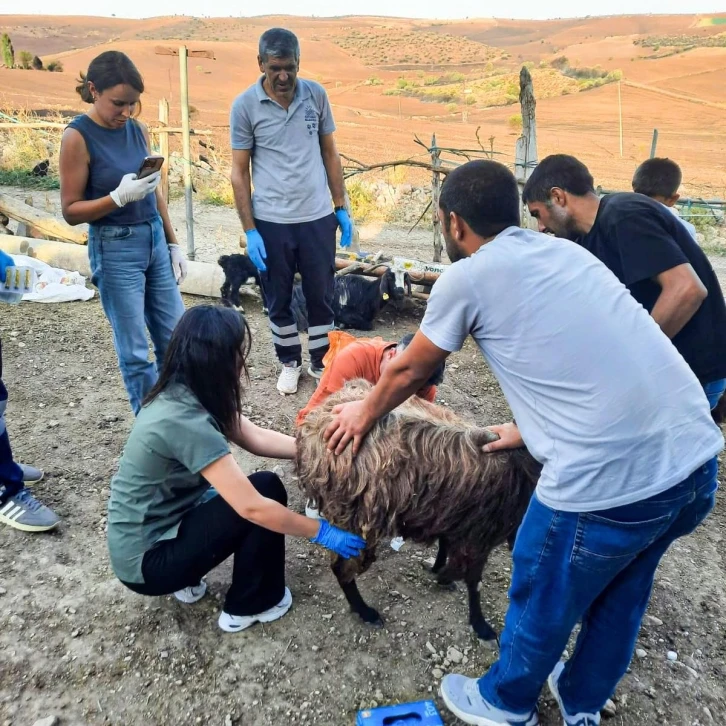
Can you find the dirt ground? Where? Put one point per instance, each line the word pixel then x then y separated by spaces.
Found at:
pixel 75 644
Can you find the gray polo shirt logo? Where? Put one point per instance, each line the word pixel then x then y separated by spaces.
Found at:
pixel 288 174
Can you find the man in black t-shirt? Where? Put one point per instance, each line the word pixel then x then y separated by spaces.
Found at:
pixel 648 250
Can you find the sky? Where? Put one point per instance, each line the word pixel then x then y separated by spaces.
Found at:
pixel 450 9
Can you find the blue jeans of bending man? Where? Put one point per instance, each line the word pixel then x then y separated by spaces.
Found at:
pixel 714 390
pixel 131 267
pixel 597 568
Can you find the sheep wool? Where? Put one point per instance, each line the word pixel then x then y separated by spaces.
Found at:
pixel 421 475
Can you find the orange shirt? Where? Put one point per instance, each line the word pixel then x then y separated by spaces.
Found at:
pixel 356 360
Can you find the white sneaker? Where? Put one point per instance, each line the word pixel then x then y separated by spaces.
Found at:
pixel 235 623
pixel 311 509
pixel 191 594
pixel 287 382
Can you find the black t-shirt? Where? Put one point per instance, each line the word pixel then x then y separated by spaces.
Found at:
pixel 638 239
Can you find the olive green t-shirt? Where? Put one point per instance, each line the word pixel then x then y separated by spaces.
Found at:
pixel 158 479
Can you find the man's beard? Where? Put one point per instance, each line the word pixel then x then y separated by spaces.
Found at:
pixel 453 250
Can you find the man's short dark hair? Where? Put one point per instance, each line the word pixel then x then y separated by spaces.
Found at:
pixel 657 178
pixel 558 170
pixel 279 43
pixel 437 376
pixel 484 194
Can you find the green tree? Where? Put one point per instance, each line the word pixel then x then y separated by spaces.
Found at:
pixel 26 58
pixel 7 51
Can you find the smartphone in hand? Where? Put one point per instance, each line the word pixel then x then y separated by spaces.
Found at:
pixel 149 165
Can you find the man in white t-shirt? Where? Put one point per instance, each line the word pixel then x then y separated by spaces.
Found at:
pixel 609 407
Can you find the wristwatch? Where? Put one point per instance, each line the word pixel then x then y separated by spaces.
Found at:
pixel 337 209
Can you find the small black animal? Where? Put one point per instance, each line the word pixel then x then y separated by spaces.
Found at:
pixel 238 269
pixel 356 300
pixel 41 168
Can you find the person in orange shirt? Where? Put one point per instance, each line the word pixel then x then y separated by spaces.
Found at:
pixel 362 359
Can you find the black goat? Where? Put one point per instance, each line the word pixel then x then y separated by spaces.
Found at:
pixel 356 300
pixel 238 270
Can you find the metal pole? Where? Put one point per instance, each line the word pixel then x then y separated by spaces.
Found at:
pixel 186 149
pixel 620 114
pixel 654 143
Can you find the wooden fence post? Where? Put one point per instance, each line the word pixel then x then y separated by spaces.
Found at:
pixel 435 191
pixel 186 150
pixel 164 146
pixel 525 150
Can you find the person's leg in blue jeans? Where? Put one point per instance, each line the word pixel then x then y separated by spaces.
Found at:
pixel 609 630
pixel 120 256
pixel 11 475
pixel 564 566
pixel 18 507
pixel 163 301
pixel 714 390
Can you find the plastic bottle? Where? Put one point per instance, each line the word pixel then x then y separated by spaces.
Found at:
pixel 18 281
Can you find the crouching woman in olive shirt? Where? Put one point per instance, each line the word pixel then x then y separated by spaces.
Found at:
pixel 164 534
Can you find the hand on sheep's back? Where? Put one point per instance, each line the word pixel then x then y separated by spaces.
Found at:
pixel 506 436
pixel 351 422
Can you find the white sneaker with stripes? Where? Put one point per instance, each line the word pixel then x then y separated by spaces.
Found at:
pixel 24 512
pixel 235 623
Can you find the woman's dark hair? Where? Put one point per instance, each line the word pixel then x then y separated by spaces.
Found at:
pixel 207 354
pixel 111 68
pixel 484 194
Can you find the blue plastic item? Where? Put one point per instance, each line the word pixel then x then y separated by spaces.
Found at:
pixel 419 713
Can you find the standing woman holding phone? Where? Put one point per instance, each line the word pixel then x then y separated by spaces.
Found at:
pixel 136 263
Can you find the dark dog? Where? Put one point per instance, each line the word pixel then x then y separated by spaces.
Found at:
pixel 238 270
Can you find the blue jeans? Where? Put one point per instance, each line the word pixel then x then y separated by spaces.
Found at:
pixel 131 267
pixel 714 391
pixel 11 475
pixel 597 568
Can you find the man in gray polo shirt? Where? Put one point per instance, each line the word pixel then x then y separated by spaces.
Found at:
pixel 283 125
pixel 609 407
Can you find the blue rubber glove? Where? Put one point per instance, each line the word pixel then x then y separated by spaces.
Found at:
pixel 5 261
pixel 342 543
pixel 345 227
pixel 256 249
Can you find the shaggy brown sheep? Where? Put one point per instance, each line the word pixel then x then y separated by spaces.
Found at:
pixel 421 475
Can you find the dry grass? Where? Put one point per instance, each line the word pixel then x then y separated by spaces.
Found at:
pixel 22 148
pixel 387 46
pixel 493 87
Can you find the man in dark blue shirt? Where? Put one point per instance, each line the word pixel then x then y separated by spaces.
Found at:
pixel 649 251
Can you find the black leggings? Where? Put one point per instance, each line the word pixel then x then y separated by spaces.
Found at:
pixel 207 536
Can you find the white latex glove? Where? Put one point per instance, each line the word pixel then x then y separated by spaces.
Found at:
pixel 178 263
pixel 132 189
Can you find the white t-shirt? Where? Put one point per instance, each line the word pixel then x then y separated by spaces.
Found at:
pixel 601 396
pixel 691 229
